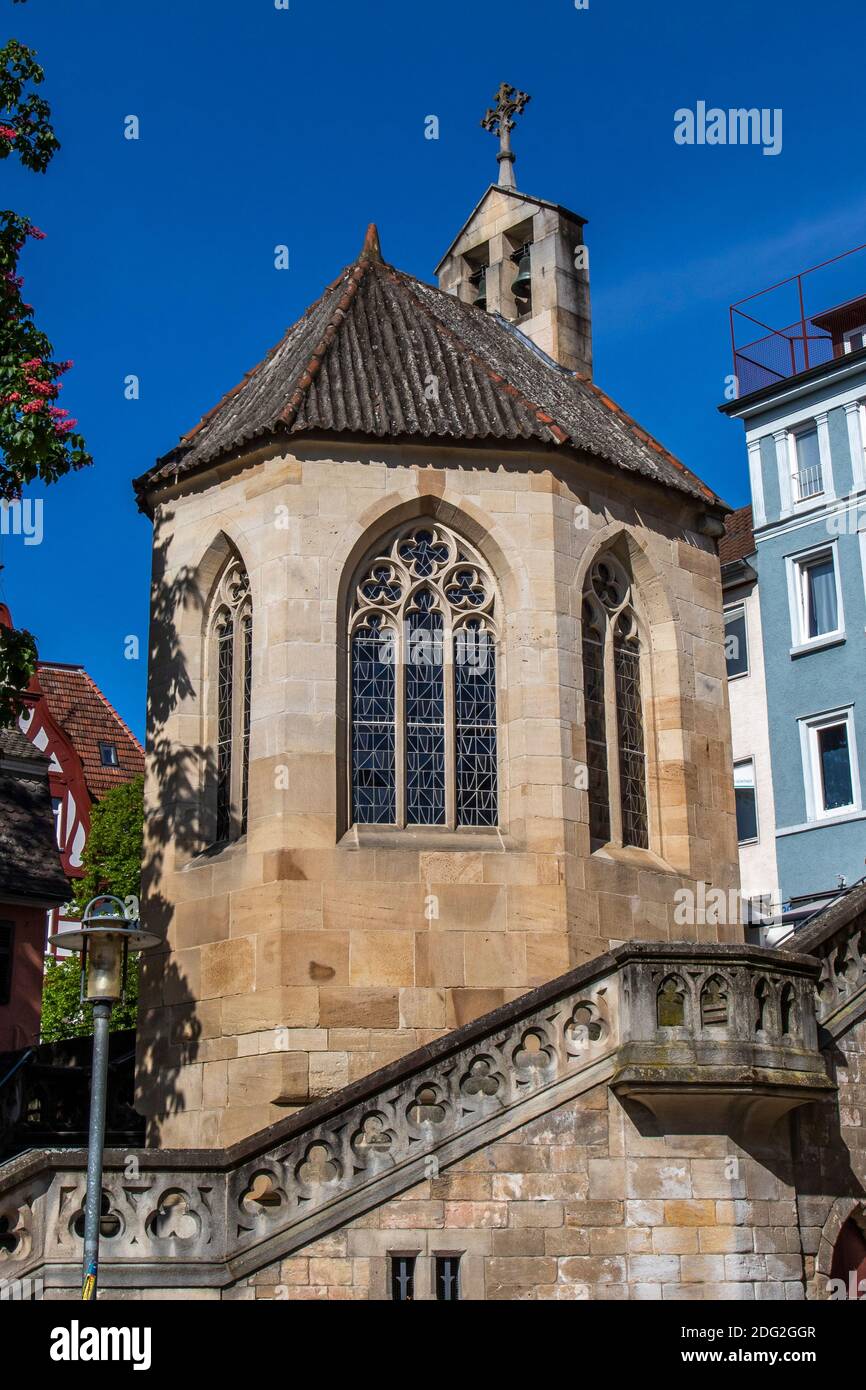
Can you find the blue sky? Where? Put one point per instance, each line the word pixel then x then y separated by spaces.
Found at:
pixel 261 126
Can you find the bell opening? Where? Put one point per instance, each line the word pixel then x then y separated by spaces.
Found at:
pixel 478 281
pixel 521 285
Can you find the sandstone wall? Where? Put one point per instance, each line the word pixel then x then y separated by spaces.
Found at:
pixel 306 955
pixel 578 1204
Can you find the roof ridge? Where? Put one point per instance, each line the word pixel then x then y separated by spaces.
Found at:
pixel 247 376
pixel 560 435
pixel 641 434
pixel 105 700
pixel 619 413
pixel 185 441
pixel 370 255
pixel 502 385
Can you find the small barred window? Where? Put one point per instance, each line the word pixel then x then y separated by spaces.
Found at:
pixel 615 751
pixel 423 684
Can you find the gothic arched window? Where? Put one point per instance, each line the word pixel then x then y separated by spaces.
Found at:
pixel 422 645
pixel 231 664
pixel 615 752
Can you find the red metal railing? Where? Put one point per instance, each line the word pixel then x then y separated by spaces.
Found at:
pixel 818 332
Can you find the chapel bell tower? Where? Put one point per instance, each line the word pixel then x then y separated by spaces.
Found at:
pixel 523 257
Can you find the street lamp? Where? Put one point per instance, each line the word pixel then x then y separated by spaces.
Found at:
pixel 105 938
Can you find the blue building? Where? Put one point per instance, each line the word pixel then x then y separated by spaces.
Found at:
pixel 802 398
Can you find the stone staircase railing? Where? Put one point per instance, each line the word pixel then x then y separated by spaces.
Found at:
pixel 837 940
pixel 654 1021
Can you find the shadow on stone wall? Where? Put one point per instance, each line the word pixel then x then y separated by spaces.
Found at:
pixel 180 782
pixel 823 1151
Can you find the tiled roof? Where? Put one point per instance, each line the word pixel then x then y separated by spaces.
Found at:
pixel 738 540
pixel 362 359
pixel 77 704
pixel 15 744
pixel 29 859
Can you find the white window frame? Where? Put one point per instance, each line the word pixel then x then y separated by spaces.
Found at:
pixel 807 427
pixel 740 762
pixel 809 730
pixel 788 464
pixel 798 597
pixel 732 608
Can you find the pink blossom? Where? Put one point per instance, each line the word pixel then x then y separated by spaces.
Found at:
pixel 8 133
pixel 37 233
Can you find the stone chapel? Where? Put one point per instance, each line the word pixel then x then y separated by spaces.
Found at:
pixel 438 734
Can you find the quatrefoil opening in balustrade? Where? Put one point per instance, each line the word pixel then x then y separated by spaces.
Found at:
pixel 11 1237
pixel 373 1141
pixel 584 1028
pixel 264 1196
pixel 714 1003
pixel 318 1167
pixel 531 1057
pixel 174 1218
pixel 671 1003
pixel 110 1224
pixel 482 1081
pixel 426 1108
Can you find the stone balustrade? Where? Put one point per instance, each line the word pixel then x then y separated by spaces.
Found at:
pixel 837 939
pixel 661 1025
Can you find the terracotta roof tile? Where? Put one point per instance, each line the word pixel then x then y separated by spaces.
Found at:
pixel 78 705
pixel 360 361
pixel 738 540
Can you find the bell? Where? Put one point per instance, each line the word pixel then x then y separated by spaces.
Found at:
pixel 479 280
pixel 522 286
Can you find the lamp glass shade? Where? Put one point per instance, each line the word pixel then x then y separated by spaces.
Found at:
pixel 104 968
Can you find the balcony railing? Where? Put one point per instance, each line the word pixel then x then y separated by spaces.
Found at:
pixel 788 328
pixel 810 482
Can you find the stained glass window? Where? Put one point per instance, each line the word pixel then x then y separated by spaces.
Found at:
pixel 632 758
pixel 615 751
pixel 596 730
pixel 232 664
pixel 225 700
pixel 423 684
pixel 475 705
pixel 373 685
pixel 425 714
pixel 245 747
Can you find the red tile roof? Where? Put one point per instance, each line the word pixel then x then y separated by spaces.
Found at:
pixel 738 540
pixel 78 705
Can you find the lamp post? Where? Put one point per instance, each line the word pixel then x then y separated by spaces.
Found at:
pixel 105 938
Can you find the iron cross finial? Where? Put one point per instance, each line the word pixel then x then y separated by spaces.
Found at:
pixel 499 120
